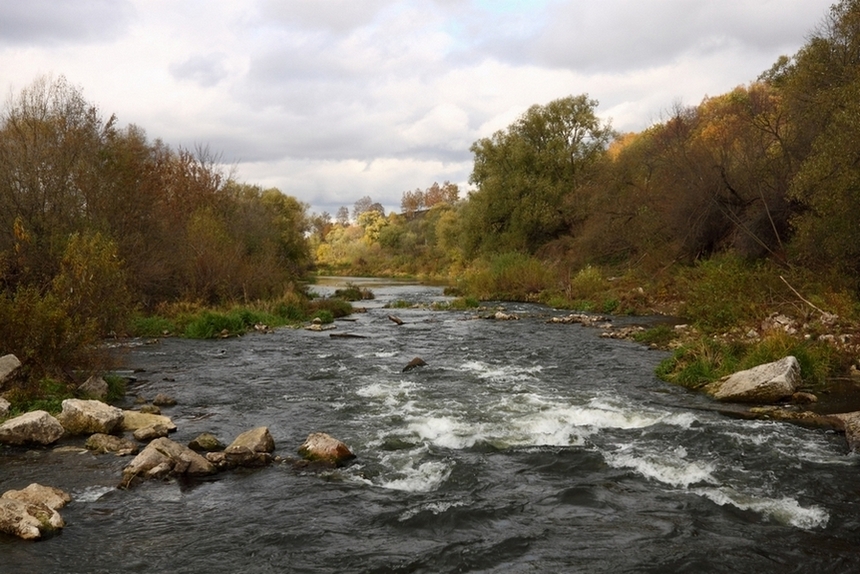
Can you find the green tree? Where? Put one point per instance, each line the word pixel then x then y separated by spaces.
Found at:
pixel 527 176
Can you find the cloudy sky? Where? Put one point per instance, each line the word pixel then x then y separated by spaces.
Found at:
pixel 333 100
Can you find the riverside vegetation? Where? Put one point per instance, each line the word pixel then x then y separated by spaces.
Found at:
pixel 738 216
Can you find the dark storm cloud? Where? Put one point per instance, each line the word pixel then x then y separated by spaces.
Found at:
pixel 39 22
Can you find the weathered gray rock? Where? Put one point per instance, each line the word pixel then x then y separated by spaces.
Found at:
pixel 9 365
pixel 256 440
pixel 239 456
pixel 35 427
pixel 151 432
pixel 94 388
pixel 324 447
pixel 31 512
pixel 133 420
pixel 36 493
pixel 851 425
pixel 81 416
pixel 162 457
pixel 5 407
pixel 250 449
pixel 104 443
pixel 766 383
pixel 27 521
pixel 206 442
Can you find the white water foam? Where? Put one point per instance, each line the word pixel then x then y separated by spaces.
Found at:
pixel 669 467
pixel 784 510
pixel 434 507
pixel 411 477
pixel 92 493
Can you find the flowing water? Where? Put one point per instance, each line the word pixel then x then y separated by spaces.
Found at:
pixel 522 446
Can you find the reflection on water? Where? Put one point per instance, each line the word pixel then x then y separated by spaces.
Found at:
pixel 521 446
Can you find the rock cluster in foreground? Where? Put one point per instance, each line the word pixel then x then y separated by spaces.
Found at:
pixel 32 512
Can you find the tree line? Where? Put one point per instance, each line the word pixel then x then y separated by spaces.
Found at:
pixel 767 172
pixel 97 221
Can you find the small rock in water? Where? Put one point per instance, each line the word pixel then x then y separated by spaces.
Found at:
pixel 323 447
pixel 162 400
pixel 414 363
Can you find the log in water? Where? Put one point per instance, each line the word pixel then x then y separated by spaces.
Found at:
pixel 521 446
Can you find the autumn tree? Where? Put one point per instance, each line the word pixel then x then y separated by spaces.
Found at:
pixel 822 91
pixel 528 175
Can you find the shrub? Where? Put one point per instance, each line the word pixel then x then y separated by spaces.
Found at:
pixel 510 276
pixel 151 326
pixel 353 292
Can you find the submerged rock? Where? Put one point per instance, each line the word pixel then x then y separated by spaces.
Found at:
pixel 414 363
pixel 35 427
pixel 82 416
pixel 763 384
pixel 325 448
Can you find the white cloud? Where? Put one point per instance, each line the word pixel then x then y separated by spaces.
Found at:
pixel 336 99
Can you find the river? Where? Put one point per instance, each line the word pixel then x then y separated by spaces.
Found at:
pixel 522 446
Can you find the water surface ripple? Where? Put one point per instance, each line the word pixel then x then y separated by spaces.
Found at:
pixel 522 447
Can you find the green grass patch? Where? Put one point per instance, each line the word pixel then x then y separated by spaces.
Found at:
pixel 706 359
pixel 659 336
pixel 152 326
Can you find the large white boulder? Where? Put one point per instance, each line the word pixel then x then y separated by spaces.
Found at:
pixel 82 416
pixel 31 512
pixel 766 383
pixel 35 427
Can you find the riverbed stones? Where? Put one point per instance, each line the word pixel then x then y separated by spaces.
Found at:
pixel 9 365
pixel 163 457
pixel 323 447
pixel 5 407
pixel 35 427
pixel 133 420
pixel 767 383
pixel 104 443
pixel 83 416
pixel 31 512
